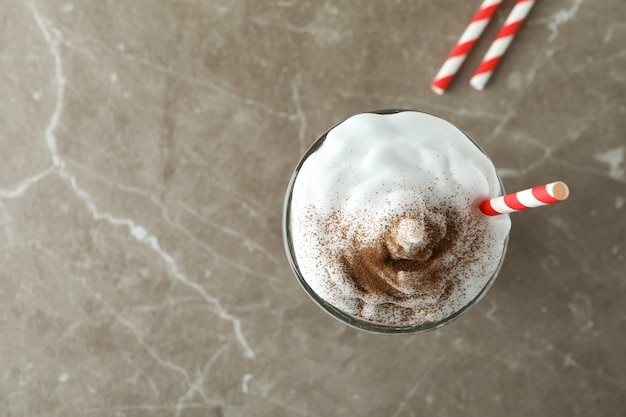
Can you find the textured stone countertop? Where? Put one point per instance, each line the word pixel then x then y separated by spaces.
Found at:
pixel 145 150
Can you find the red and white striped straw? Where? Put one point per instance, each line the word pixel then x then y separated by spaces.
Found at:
pixel 501 43
pixel 532 197
pixel 464 45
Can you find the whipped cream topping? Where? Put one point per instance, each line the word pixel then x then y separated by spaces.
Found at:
pixel 383 219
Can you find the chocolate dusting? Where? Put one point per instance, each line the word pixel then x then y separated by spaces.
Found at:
pixel 375 271
pixel 399 283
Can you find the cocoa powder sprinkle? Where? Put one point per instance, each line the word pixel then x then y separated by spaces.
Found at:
pixel 406 287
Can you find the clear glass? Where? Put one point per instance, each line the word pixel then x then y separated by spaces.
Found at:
pixel 350 319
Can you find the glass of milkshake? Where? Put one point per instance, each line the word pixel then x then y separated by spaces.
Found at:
pixel 380 222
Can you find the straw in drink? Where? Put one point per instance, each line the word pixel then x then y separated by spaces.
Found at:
pixel 542 195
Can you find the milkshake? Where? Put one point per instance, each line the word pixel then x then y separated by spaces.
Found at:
pixel 381 226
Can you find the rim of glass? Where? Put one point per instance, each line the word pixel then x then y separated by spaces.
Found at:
pixel 349 319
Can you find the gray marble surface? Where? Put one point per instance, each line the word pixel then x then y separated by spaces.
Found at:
pixel 145 150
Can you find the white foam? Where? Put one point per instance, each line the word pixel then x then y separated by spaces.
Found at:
pixel 372 167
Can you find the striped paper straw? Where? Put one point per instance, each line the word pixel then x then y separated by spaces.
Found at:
pixel 501 43
pixel 464 45
pixel 533 197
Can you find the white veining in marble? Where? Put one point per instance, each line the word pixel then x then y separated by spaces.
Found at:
pixel 53 38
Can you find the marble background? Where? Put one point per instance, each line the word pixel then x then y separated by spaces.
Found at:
pixel 145 150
